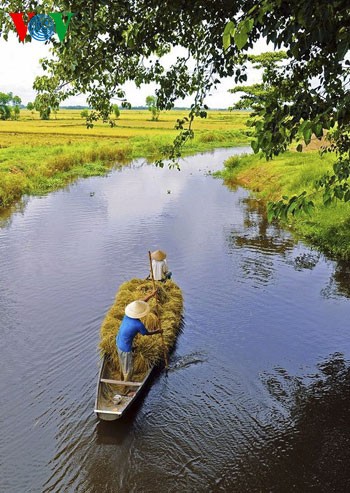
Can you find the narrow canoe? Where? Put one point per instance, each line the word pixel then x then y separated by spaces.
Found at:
pixel 110 404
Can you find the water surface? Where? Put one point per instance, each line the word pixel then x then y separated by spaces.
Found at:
pixel 257 398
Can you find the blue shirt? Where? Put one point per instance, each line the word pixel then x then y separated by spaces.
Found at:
pixel 127 331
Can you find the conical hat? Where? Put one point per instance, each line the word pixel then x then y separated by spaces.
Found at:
pixel 137 309
pixel 158 255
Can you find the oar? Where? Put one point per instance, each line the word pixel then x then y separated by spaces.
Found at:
pixel 158 314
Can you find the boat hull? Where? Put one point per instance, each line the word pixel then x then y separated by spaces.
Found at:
pixel 105 408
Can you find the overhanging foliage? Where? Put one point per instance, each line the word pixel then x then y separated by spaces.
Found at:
pixel 111 42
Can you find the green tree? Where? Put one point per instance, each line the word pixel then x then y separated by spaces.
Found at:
pixel 116 111
pixel 151 103
pixel 98 55
pixel 253 96
pixel 5 112
pixel 84 113
pixel 48 97
pixel 9 106
pixel 30 107
pixel 16 101
pixel 306 96
pixel 42 104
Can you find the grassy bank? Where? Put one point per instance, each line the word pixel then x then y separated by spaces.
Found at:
pixel 39 156
pixel 329 226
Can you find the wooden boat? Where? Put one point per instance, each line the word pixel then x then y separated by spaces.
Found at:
pixel 110 402
pixel 107 407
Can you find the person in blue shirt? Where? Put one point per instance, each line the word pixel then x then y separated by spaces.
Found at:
pixel 131 326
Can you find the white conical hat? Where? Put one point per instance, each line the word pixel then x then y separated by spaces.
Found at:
pixel 158 255
pixel 137 309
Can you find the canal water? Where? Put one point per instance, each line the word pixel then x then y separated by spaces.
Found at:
pixel 258 395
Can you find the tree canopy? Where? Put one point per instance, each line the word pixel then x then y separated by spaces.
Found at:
pixel 9 106
pixel 110 42
pixel 151 103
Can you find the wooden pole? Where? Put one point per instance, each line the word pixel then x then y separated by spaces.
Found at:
pixel 158 315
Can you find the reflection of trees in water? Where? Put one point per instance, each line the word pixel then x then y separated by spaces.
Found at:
pixel 259 233
pixel 339 283
pixel 263 240
pixel 309 450
pixel 260 239
pixel 304 261
pixel 6 214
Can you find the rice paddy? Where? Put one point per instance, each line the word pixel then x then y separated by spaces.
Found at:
pixel 148 350
pixel 38 156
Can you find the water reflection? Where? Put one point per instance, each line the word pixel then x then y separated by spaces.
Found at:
pixel 339 283
pixel 211 426
pixel 257 233
pixel 6 214
pixel 305 446
pixel 315 442
pixel 261 240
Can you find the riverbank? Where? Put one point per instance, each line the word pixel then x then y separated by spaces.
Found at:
pixel 328 227
pixel 38 156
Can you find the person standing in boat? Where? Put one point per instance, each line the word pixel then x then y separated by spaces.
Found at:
pixel 160 266
pixel 131 326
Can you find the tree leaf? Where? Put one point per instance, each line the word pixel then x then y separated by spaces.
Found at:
pixel 226 41
pixel 318 130
pixel 229 28
pixel 307 135
pixel 241 38
pixel 255 146
pixel 228 32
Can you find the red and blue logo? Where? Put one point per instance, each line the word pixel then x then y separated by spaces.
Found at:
pixel 42 27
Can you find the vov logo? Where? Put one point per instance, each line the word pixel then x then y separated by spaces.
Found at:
pixel 42 26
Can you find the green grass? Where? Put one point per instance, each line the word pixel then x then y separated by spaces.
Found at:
pixel 328 227
pixel 39 156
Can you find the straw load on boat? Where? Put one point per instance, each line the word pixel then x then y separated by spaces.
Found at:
pixel 148 351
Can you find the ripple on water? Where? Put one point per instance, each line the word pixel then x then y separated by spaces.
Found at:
pixel 261 312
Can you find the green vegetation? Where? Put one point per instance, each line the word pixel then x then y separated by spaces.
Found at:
pixel 9 106
pixel 291 173
pixel 44 103
pixel 305 95
pixel 31 108
pixel 288 106
pixel 151 103
pixel 38 156
pixel 116 111
pixel 309 90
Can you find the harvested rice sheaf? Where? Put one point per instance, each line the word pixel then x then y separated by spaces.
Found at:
pixel 148 350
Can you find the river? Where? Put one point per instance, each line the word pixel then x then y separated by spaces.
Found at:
pixel 257 397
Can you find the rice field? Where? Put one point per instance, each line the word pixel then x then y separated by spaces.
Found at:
pixel 37 156
pixel 69 125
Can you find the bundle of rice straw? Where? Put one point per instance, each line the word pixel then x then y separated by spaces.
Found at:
pixel 148 351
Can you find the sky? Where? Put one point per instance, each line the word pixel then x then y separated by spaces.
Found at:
pixel 19 65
